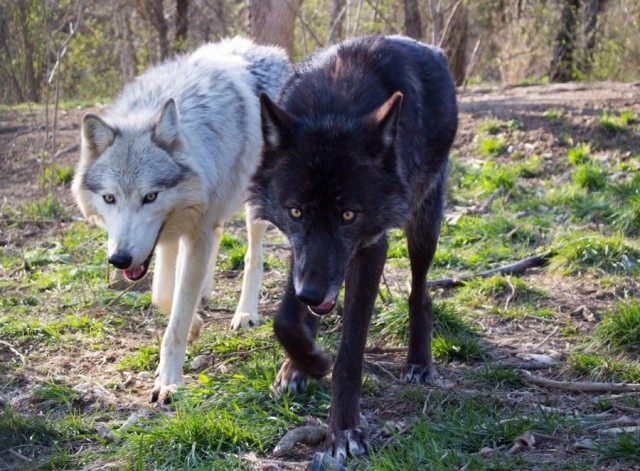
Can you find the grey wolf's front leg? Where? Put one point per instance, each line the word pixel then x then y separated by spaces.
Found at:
pixel 193 259
pixel 345 436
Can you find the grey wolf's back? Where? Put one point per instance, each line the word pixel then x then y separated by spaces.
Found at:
pixel 196 79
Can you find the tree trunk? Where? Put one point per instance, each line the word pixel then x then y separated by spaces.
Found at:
pixel 336 31
pixel 154 11
pixel 273 22
pixel 562 61
pixel 182 23
pixel 455 44
pixel 412 20
pixel 593 9
pixel 128 59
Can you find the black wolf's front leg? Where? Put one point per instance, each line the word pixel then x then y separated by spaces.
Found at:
pixel 296 330
pixel 345 435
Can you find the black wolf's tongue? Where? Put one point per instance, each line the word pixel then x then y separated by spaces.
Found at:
pixel 134 273
pixel 325 308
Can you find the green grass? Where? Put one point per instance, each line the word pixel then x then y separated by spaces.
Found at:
pixel 554 114
pixel 621 328
pixel 589 176
pixel 609 254
pixel 614 124
pixel 491 146
pixel 580 155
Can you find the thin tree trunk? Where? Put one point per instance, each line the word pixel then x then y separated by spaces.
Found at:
pixel 336 31
pixel 273 21
pixel 128 60
pixel 155 13
pixel 455 43
pixel 562 62
pixel 182 23
pixel 412 20
pixel 594 9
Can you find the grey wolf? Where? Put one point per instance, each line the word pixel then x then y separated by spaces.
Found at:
pixel 167 166
pixel 357 143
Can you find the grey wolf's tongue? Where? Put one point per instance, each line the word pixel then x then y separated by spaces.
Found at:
pixel 325 306
pixel 134 272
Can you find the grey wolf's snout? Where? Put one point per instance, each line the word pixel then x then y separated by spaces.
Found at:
pixel 310 295
pixel 120 260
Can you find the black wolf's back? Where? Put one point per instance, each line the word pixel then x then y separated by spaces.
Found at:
pixel 354 78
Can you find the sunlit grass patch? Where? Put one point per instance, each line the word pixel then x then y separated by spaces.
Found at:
pixel 620 329
pixel 496 288
pixel 496 176
pixel 49 207
pixel 580 154
pixel 146 358
pixel 622 449
pixel 589 176
pixel 232 252
pixel 454 432
pixel 57 176
pixel 554 114
pixel 610 254
pixel 489 146
pixel 604 367
pixel 613 124
pixel 496 376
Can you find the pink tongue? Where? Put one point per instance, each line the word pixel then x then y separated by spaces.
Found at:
pixel 325 306
pixel 134 273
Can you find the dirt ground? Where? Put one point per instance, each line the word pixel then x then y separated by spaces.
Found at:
pixel 23 133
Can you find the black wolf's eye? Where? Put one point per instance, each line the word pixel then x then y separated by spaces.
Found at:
pixel 295 213
pixel 348 216
pixel 150 197
pixel 109 199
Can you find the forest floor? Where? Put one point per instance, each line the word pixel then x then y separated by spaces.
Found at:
pixel 548 170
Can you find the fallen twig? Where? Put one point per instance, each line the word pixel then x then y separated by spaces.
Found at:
pixel 512 269
pixel 546 339
pixel 624 420
pixel 386 349
pixel 522 365
pixel 623 408
pixel 619 430
pixel 14 351
pixel 578 386
pixel 309 434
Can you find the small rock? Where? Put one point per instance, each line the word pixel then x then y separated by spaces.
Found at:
pixel 145 375
pixel 106 433
pixel 199 362
pixel 536 357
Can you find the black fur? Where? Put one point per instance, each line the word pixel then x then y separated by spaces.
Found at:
pixel 340 142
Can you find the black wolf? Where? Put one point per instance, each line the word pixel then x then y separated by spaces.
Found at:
pixel 357 144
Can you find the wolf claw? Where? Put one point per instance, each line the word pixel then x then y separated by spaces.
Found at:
pixel 290 380
pixel 419 374
pixel 243 320
pixel 351 442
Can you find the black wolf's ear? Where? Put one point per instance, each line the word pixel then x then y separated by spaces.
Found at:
pixel 383 122
pixel 277 124
pixel 97 134
pixel 165 127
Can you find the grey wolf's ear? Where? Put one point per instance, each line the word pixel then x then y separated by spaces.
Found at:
pixel 97 134
pixel 383 122
pixel 277 124
pixel 165 127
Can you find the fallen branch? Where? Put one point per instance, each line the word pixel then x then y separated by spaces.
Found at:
pixel 578 386
pixel 546 339
pixel 623 408
pixel 512 269
pixel 522 365
pixel 14 351
pixel 386 350
pixel 309 434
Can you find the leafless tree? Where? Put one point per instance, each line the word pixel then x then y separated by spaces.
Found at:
pixel 412 19
pixel 273 21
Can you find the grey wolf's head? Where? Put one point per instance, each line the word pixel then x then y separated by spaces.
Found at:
pixel 132 175
pixel 331 184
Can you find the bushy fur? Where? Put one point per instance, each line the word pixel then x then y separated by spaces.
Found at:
pixel 167 165
pixel 357 143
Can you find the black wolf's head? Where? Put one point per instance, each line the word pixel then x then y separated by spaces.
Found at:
pixel 331 184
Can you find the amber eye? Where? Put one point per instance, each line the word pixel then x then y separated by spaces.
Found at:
pixel 295 213
pixel 150 198
pixel 348 216
pixel 109 199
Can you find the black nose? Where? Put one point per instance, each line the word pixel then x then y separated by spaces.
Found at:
pixel 120 260
pixel 310 295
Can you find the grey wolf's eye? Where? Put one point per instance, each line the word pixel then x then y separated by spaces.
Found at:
pixel 295 213
pixel 150 197
pixel 109 199
pixel 348 216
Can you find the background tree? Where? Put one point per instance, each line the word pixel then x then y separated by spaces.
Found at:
pixel 273 21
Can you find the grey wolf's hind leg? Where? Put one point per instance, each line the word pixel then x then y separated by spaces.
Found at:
pixel 247 311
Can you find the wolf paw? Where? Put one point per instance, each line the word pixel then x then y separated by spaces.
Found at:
pixel 351 442
pixel 243 320
pixel 162 394
pixel 290 380
pixel 420 374
pixel 197 325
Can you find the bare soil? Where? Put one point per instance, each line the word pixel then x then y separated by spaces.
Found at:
pixel 579 300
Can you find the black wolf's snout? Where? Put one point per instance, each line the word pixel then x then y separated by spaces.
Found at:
pixel 310 295
pixel 121 260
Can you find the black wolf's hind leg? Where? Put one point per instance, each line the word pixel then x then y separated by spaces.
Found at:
pixel 296 329
pixel 422 231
